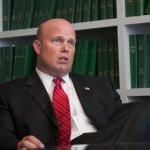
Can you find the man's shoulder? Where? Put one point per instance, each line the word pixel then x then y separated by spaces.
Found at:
pixel 19 81
pixel 14 83
pixel 88 77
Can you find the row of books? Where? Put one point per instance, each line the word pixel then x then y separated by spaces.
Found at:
pixel 137 7
pixel 98 57
pixel 140 60
pixel 16 61
pixel 19 14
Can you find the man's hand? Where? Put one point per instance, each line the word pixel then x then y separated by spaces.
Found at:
pixel 30 142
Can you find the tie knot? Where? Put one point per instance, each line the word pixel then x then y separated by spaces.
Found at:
pixel 57 81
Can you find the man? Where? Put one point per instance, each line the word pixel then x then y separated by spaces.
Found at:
pixel 27 115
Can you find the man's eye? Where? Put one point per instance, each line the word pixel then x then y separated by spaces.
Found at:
pixel 71 43
pixel 57 41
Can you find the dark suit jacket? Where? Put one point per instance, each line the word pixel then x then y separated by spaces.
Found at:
pixel 25 107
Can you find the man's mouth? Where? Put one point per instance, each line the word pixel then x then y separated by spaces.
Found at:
pixel 63 59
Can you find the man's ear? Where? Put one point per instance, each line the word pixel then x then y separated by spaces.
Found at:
pixel 36 45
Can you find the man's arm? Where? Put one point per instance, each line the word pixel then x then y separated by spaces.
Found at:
pixel 8 139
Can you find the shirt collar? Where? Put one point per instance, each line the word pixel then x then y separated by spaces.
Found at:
pixel 48 79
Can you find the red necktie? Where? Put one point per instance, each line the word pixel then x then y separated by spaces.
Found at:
pixel 62 109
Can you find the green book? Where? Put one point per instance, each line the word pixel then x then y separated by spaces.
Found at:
pixel 75 67
pixel 9 55
pixel 143 61
pixel 84 56
pixel 21 14
pixel 103 14
pixel 129 7
pixel 105 69
pixel 7 9
pixel 78 11
pixel 116 63
pixel 58 11
pixel 133 60
pixel 64 9
pixel 2 64
pixel 49 9
pixel 99 58
pixel 147 7
pixel 111 67
pixel 94 10
pixel 138 7
pixel 36 11
pixel 110 9
pixel 86 10
pixel 41 14
pixel 26 60
pixel 28 16
pixel 114 9
pixel 71 11
pixel 92 58
pixel 16 64
pixel 15 15
pixel 147 62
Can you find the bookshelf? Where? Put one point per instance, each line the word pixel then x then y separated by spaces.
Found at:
pixel 120 27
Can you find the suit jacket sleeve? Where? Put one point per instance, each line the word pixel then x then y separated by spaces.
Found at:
pixel 8 138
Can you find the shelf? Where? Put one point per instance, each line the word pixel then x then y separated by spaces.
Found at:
pixel 95 24
pixel 137 20
pixel 138 92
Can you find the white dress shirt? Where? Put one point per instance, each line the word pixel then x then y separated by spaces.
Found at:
pixel 79 121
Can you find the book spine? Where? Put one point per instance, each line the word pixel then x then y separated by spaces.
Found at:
pixel 116 63
pixel 75 68
pixel 105 68
pixel 138 7
pixel 86 10
pixel 133 60
pixel 129 6
pixel 71 11
pixel 147 7
pixel 35 14
pixel 147 63
pixel 8 62
pixel 41 13
pixel 94 10
pixel 26 60
pixel 29 14
pixel 84 55
pixel 65 6
pixel 58 12
pixel 50 9
pixel 21 14
pixel 111 59
pixel 99 58
pixel 102 10
pixel 92 58
pixel 109 9
pixel 78 11
pixel 141 60
pixel 16 63
pixel 2 64
pixel 7 9
pixel 15 15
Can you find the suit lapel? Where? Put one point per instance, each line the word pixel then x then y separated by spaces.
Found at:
pixel 84 92
pixel 37 91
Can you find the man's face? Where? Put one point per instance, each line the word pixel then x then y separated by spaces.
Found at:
pixel 56 49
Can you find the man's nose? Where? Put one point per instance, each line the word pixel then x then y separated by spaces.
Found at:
pixel 65 46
